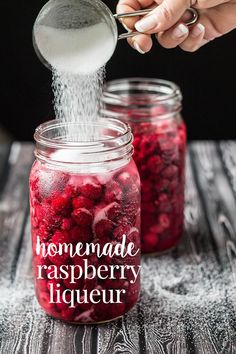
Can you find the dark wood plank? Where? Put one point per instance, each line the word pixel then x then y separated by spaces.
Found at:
pixel 121 336
pixel 4 166
pixel 13 215
pixel 14 207
pixel 220 209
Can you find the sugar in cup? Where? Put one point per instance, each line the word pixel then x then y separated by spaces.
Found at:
pixel 75 36
pixel 80 36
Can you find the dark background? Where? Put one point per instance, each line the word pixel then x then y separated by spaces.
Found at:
pixel 207 77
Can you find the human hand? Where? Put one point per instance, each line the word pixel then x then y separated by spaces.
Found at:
pixel 166 21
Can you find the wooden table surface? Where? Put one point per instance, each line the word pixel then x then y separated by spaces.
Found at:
pixel 210 219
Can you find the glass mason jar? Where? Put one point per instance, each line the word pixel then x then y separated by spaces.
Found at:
pixel 152 109
pixel 85 216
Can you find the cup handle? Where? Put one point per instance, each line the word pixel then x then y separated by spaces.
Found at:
pixel 190 22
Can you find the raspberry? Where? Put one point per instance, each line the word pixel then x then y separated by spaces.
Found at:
pixel 90 284
pixel 44 233
pixel 78 282
pixel 170 172
pixel 136 142
pixel 120 231
pixel 52 223
pixel 61 237
pixel 181 137
pixel 164 221
pixel 44 300
pixel 34 181
pixel 62 306
pixel 41 212
pixel 154 164
pixel 52 282
pixel 39 260
pixel 85 307
pixel 147 145
pixel 82 202
pixel 91 189
pixel 67 224
pixel 162 185
pixel 71 191
pixel 42 284
pixel 59 259
pixel 113 211
pixel 150 242
pixel 115 284
pixel 61 204
pixel 103 228
pixel 68 314
pixel 82 216
pixel 81 234
pixel 113 193
pixel 78 260
pixel 132 210
pixel 133 236
pixel 124 220
pixel 125 180
pixel 156 229
pixel 163 204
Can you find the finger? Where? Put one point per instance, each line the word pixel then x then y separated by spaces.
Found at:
pixel 163 17
pixel 142 43
pixel 195 38
pixel 218 20
pixel 204 41
pixel 125 6
pixel 207 4
pixel 173 37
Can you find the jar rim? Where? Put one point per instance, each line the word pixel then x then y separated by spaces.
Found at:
pixel 45 127
pixel 115 144
pixel 167 89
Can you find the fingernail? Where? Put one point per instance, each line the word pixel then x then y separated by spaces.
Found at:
pixel 137 47
pixel 146 23
pixel 197 30
pixel 180 31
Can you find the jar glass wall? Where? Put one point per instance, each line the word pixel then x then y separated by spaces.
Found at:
pixel 152 108
pixel 85 215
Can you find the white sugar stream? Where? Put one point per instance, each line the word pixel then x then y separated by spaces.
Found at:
pixel 77 57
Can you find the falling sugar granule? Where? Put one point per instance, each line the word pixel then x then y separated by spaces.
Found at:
pixel 77 100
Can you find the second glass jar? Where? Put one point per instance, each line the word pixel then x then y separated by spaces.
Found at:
pixel 152 108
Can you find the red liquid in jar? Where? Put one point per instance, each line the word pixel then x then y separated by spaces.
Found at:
pixel 72 208
pixel 160 158
pixel 152 108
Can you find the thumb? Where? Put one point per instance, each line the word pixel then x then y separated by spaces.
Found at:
pixel 163 16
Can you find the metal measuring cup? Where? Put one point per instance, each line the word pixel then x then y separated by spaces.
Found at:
pixel 78 14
